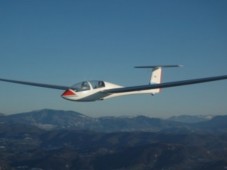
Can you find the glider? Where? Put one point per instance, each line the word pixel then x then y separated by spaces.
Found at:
pixel 100 90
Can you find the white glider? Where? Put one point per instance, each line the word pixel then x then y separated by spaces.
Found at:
pixel 100 90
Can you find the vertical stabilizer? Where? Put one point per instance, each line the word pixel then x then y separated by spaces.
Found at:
pixel 156 74
pixel 156 78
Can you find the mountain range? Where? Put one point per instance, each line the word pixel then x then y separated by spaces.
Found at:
pixel 57 119
pixel 61 140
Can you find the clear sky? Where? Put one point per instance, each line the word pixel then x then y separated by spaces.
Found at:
pixel 65 42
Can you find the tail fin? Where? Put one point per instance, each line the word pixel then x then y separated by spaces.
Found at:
pixel 156 74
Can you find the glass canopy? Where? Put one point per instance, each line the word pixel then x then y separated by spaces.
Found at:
pixel 88 85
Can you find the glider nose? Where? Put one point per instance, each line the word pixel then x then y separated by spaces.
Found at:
pixel 68 93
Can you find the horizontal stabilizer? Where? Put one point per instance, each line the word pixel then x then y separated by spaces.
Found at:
pixel 158 66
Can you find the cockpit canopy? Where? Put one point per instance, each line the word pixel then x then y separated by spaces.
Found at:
pixel 88 85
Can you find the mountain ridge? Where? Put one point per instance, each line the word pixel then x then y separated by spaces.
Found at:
pixel 190 118
pixel 59 119
pixel 82 142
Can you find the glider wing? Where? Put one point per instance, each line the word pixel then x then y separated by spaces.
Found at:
pixel 36 84
pixel 165 85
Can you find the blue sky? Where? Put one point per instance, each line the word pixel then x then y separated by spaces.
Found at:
pixel 65 42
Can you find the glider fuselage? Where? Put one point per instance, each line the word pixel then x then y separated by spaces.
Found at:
pixel 96 90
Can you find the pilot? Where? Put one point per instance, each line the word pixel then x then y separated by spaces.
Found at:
pixel 84 86
pixel 101 84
